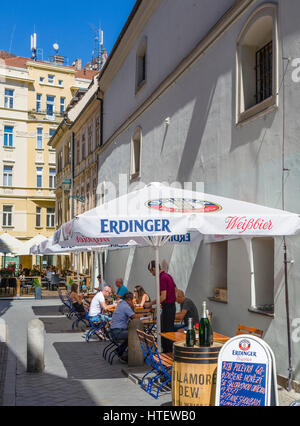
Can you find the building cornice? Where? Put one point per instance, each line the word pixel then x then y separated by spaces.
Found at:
pixel 51 67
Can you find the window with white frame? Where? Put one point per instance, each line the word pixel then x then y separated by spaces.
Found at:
pixel 7 215
pixel 136 149
pixel 262 289
pixel 51 79
pixel 52 178
pixel 50 217
pixel 50 106
pixel 39 138
pixel 62 105
pixel 38 102
pixel 7 175
pixel 8 136
pixel 38 217
pixel 257 64
pixel 141 64
pixel 39 177
pixel 51 132
pixel 8 98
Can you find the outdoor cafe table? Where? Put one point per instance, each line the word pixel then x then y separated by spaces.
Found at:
pixel 179 336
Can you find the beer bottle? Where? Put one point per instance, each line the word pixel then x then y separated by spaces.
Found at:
pixel 205 330
pixel 190 334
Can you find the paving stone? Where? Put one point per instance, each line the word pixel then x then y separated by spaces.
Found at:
pixel 75 373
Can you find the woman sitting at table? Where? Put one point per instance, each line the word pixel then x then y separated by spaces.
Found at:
pixel 141 297
pixel 77 300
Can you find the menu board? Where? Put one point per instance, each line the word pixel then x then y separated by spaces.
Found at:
pixel 243 384
pixel 246 370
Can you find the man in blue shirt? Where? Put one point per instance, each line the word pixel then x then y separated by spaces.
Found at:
pixel 119 323
pixel 121 289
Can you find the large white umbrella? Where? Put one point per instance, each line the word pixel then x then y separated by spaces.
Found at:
pixel 25 249
pixel 9 244
pixel 159 214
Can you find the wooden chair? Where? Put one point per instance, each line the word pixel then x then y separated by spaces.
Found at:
pixel 244 329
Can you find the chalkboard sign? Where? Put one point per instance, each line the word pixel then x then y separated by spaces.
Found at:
pixel 246 371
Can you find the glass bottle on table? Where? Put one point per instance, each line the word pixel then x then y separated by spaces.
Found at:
pixel 190 334
pixel 205 330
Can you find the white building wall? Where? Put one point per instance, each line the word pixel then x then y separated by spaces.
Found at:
pixel 202 143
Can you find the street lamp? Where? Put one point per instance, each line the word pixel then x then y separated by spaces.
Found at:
pixel 67 185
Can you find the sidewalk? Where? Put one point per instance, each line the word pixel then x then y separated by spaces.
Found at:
pixel 75 373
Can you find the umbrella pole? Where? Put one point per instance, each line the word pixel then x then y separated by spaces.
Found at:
pixel 101 268
pixel 290 369
pixel 158 322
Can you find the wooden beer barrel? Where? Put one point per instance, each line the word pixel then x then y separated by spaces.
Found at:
pixel 194 374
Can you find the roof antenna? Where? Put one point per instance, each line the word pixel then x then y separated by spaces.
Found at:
pixel 33 45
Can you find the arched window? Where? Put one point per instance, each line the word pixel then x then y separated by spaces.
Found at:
pixel 257 64
pixel 136 150
pixel 141 64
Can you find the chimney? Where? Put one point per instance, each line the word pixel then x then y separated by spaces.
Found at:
pixel 77 64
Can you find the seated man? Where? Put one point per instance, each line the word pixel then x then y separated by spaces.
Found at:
pixel 98 305
pixel 119 322
pixel 187 310
pixel 121 289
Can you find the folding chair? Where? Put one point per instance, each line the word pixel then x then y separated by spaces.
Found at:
pixel 112 349
pixel 66 307
pixel 141 336
pixel 161 364
pixel 244 329
pixel 97 328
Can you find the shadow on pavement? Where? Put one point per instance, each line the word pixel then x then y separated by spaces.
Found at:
pixel 61 325
pixel 47 310
pixel 84 361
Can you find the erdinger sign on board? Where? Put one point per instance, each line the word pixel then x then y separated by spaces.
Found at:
pixel 246 373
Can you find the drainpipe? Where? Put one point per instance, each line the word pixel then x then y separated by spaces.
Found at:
pixel 73 173
pixel 100 99
pixel 286 288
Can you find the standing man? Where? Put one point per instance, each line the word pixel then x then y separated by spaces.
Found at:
pixel 167 301
pixel 121 289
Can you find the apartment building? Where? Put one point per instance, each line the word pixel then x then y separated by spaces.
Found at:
pixel 77 142
pixel 35 95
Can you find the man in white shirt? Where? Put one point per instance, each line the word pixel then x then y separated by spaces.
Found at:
pixel 98 304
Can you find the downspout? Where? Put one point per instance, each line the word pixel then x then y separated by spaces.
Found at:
pixel 72 174
pixel 100 98
pixel 285 261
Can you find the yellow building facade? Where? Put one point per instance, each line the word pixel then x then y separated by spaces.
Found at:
pixel 35 97
pixel 77 142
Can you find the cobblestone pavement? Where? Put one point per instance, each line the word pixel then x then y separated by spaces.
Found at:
pixel 75 373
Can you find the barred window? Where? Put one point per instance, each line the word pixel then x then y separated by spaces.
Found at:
pixel 264 67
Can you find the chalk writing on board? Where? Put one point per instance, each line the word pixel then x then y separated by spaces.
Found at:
pixel 243 384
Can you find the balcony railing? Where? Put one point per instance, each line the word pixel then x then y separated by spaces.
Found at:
pixel 45 115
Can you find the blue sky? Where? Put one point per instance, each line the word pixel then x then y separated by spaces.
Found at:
pixel 69 23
